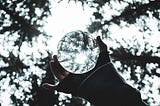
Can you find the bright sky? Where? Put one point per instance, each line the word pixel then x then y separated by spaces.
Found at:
pixel 65 18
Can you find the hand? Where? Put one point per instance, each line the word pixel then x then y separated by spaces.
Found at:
pixel 58 71
pixel 61 73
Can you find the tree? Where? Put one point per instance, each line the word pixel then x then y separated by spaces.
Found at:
pixel 139 58
pixel 22 28
pixel 21 55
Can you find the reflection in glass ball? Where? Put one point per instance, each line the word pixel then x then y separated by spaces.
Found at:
pixel 78 52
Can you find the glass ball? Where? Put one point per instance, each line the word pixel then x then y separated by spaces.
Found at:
pixel 78 52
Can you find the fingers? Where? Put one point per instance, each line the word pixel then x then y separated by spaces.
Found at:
pixel 57 69
pixel 59 73
pixel 101 44
pixel 104 54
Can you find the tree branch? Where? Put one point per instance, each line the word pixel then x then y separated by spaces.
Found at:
pixel 143 58
pixel 133 11
pixel 23 22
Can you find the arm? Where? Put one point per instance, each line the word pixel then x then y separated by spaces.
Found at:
pixel 102 85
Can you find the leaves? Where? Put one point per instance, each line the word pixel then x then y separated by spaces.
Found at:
pixel 23 17
pixel 22 21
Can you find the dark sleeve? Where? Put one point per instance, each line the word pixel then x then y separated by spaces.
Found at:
pixel 106 87
pixel 132 97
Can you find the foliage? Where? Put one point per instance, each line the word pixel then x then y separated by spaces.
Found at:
pixel 21 29
pixel 22 44
pixel 139 58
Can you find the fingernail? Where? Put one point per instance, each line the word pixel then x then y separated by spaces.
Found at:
pixel 52 61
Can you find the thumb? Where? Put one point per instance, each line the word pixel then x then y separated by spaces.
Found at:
pixel 67 85
pixel 101 44
pixel 49 87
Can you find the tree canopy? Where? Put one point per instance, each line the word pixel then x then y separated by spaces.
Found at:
pixel 24 54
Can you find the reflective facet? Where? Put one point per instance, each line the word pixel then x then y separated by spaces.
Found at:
pixel 78 52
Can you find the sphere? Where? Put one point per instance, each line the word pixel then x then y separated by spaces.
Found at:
pixel 78 52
